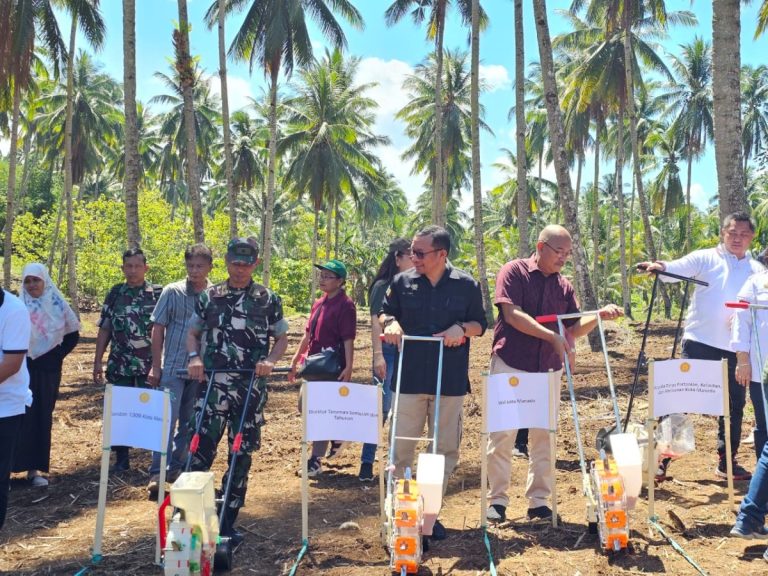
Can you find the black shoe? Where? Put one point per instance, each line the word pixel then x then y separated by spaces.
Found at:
pixel 366 472
pixel 438 531
pixel 496 513
pixel 121 465
pixel 540 513
pixel 739 472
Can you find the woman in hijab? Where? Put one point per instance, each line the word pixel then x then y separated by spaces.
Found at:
pixel 55 332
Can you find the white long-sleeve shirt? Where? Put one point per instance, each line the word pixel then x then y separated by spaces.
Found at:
pixel 754 291
pixel 708 320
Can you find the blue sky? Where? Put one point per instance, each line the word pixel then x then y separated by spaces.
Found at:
pixel 387 56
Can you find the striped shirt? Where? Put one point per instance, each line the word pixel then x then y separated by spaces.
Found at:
pixel 174 309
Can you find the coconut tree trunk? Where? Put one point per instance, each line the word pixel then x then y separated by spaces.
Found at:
pixel 328 228
pixel 438 194
pixel 55 238
pixel 577 192
pixel 231 189
pixel 726 99
pixel 270 206
pixel 557 139
pixel 187 80
pixel 25 153
pixel 689 207
pixel 642 200
pixel 596 213
pixel 626 302
pixel 336 223
pixel 315 239
pixel 477 191
pixel 9 208
pixel 636 161
pixel 131 181
pixel 71 262
pixel 523 248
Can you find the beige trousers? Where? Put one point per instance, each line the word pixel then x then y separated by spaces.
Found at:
pixel 412 412
pixel 538 488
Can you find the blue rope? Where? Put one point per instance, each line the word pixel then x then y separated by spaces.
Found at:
pixel 305 545
pixel 95 559
pixel 653 522
pixel 488 548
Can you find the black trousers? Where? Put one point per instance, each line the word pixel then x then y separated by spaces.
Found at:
pixel 736 392
pixel 33 448
pixel 9 430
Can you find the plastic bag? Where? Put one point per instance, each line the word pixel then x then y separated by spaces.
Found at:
pixel 674 436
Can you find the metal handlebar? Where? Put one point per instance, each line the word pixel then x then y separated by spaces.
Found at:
pixel 642 268
pixel 184 374
pixel 743 305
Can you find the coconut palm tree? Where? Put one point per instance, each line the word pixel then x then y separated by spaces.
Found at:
pixel 690 98
pixel 557 137
pixel 419 117
pixel 330 139
pixel 275 37
pixel 435 11
pixel 21 23
pixel 754 90
pixel 477 192
pixel 220 12
pixel 92 108
pixel 174 133
pixel 523 248
pixel 185 69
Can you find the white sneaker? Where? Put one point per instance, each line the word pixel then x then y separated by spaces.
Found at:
pixel 39 481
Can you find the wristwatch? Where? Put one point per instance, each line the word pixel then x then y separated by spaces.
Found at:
pixel 460 324
pixel 387 321
pixel 192 355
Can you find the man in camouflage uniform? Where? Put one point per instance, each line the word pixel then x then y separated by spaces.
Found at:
pixel 125 322
pixel 234 320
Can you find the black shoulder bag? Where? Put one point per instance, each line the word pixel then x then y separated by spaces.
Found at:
pixel 324 365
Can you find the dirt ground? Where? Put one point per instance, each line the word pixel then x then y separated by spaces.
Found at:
pixel 50 531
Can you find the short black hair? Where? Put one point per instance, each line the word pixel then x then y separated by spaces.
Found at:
pixel 738 216
pixel 441 239
pixel 131 252
pixel 200 250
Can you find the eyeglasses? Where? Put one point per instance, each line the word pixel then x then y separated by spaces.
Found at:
pixel 559 251
pixel 419 254
pixel 328 277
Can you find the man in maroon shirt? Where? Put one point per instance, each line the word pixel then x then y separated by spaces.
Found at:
pixel 526 288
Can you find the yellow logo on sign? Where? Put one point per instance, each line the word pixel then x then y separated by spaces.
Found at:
pixel 684 367
pixel 144 397
pixel 344 391
pixel 514 381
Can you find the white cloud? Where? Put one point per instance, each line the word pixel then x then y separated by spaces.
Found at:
pixel 496 76
pixel 5 145
pixel 239 90
pixel 699 197
pixel 388 77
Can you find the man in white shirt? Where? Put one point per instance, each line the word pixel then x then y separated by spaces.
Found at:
pixel 15 395
pixel 707 334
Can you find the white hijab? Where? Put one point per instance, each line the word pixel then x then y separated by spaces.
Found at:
pixel 51 315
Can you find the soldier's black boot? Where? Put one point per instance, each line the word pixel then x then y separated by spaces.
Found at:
pixel 227 527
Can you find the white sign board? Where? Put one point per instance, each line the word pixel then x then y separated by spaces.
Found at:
pixel 519 400
pixel 686 385
pixel 137 418
pixel 342 411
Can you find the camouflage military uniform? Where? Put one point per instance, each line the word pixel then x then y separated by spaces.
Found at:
pixel 236 325
pixel 126 314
